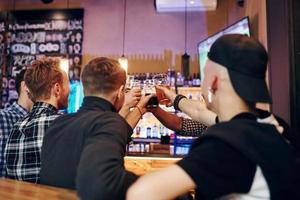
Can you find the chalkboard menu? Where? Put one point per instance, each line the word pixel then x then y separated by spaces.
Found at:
pixel 3 78
pixel 31 35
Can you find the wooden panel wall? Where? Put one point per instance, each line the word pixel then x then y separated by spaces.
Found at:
pixel 279 56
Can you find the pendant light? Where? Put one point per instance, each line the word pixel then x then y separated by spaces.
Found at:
pixel 64 60
pixel 123 60
pixel 185 58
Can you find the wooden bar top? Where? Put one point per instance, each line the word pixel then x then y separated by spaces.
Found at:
pixel 141 165
pixel 18 190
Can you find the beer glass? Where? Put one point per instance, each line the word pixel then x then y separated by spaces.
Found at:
pixel 162 80
pixel 149 88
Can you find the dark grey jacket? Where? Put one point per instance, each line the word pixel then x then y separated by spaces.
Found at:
pixel 86 150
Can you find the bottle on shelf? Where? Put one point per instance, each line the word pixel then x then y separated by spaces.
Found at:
pixel 180 79
pixel 171 77
pixel 154 132
pixel 198 81
pixel 137 131
pixel 186 82
pixel 148 130
pixel 190 82
pixel 161 130
pixel 194 80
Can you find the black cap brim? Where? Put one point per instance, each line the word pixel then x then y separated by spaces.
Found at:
pixel 249 88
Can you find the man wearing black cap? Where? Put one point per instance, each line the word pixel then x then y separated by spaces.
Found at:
pixel 242 156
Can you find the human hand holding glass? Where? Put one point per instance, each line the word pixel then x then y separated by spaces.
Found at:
pixel 167 96
pixel 161 81
pixel 132 97
pixel 143 103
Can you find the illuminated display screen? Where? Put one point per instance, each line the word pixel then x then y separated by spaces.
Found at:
pixel 241 27
pixel 75 97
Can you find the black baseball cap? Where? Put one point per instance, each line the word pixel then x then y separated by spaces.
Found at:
pixel 246 61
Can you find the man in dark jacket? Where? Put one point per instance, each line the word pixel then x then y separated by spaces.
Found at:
pixel 85 150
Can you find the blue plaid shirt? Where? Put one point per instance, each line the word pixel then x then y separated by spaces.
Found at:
pixel 8 117
pixel 23 148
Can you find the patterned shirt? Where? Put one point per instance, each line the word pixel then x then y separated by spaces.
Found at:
pixel 8 117
pixel 23 148
pixel 191 128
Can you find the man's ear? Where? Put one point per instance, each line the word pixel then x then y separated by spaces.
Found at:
pixel 23 87
pixel 56 89
pixel 214 84
pixel 120 91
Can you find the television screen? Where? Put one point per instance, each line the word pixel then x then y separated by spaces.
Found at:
pixel 242 27
pixel 75 97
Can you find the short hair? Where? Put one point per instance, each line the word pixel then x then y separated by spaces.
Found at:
pixel 41 76
pixel 18 80
pixel 102 75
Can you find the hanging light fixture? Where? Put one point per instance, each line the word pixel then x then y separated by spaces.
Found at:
pixel 185 58
pixel 64 64
pixel 123 60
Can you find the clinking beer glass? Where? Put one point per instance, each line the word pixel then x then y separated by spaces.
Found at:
pixel 161 80
pixel 149 88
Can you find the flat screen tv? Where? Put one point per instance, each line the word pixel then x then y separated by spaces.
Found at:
pixel 242 27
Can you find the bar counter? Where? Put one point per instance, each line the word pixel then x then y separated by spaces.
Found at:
pixel 18 190
pixel 142 164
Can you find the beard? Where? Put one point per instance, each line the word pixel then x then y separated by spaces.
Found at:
pixel 63 101
pixel 119 103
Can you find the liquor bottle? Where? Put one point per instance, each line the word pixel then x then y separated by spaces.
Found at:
pixel 198 81
pixel 190 82
pixel 194 80
pixel 186 82
pixel 148 132
pixel 142 125
pixel 173 78
pixel 137 131
pixel 179 80
pixel 169 76
pixel 154 132
pixel 161 130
